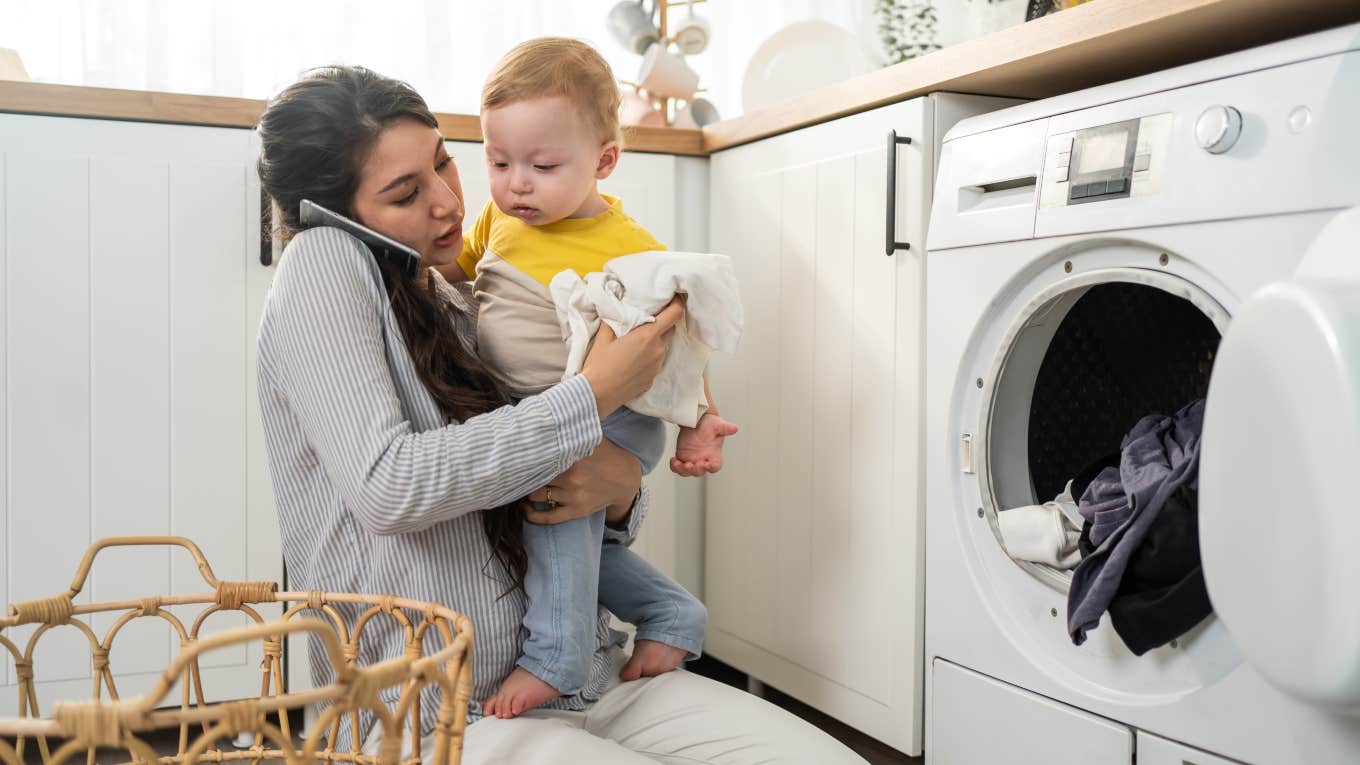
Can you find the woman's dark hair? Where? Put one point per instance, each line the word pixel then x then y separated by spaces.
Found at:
pixel 314 138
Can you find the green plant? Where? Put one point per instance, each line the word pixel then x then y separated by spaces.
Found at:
pixel 906 28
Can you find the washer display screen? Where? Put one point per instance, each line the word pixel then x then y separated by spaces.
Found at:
pixel 1103 151
pixel 1102 162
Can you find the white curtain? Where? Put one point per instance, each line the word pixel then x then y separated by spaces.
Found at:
pixel 445 48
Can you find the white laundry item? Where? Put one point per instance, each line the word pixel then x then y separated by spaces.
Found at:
pixel 1046 533
pixel 1068 505
pixel 628 293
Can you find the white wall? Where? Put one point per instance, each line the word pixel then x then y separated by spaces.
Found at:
pixel 445 48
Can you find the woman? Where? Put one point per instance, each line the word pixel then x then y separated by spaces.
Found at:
pixel 400 467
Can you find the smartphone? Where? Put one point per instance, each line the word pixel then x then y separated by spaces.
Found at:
pixel 405 258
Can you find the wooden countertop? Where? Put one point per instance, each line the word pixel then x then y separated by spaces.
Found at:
pixel 150 106
pixel 1092 44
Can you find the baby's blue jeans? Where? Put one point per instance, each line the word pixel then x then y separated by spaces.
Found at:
pixel 572 568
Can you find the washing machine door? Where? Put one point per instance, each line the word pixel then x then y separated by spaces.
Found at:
pixel 1280 475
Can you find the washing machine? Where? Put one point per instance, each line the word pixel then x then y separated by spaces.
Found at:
pixel 1204 215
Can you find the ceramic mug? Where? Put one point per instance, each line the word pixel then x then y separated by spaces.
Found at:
pixel 691 36
pixel 666 74
pixel 632 26
pixel 697 113
pixel 636 108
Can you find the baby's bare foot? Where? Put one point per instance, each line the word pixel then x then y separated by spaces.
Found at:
pixel 650 659
pixel 520 692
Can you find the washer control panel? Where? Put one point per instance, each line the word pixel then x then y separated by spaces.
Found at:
pixel 1113 161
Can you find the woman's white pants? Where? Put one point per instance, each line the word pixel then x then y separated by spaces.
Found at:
pixel 677 718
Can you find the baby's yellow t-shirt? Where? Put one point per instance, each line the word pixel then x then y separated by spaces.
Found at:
pixel 512 263
pixel 541 252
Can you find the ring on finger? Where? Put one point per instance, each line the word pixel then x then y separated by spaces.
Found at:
pixel 547 504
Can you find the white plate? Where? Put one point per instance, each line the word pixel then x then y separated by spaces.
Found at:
pixel 798 58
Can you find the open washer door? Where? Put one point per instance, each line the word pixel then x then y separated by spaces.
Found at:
pixel 1280 475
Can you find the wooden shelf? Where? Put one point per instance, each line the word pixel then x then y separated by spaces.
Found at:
pixel 179 108
pixel 1091 44
pixel 134 105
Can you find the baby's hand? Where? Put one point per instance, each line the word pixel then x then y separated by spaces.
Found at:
pixel 698 450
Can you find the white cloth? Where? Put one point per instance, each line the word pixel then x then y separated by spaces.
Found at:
pixel 678 718
pixel 1046 533
pixel 628 293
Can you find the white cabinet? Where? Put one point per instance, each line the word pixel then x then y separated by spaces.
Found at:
pixel 813 568
pixel 131 292
pixel 669 196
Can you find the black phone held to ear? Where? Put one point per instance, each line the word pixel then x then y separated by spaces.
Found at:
pixel 407 259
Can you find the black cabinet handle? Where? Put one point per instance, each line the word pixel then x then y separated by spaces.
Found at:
pixel 892 245
pixel 266 230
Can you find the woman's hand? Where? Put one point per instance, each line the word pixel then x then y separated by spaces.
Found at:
pixel 607 480
pixel 620 369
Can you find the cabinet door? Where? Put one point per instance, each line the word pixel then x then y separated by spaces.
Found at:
pixel 813 560
pixel 132 285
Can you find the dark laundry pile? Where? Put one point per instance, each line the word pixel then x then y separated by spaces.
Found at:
pixel 1140 539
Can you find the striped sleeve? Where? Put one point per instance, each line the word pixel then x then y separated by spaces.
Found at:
pixel 626 536
pixel 323 341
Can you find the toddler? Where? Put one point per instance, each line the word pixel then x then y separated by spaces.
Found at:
pixel 550 123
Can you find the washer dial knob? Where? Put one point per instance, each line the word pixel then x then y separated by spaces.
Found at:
pixel 1218 128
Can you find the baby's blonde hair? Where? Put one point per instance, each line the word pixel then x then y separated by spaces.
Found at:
pixel 558 66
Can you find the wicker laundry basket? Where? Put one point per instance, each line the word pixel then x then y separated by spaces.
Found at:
pixel 108 722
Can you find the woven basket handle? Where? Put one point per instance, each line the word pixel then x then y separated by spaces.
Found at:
pixel 58 608
pixel 83 572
